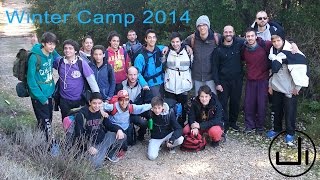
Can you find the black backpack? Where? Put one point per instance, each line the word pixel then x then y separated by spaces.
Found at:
pixel 20 70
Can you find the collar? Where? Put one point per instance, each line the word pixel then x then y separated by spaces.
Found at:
pixel 67 62
pixel 133 86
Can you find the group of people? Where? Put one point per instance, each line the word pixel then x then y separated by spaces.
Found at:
pixel 206 61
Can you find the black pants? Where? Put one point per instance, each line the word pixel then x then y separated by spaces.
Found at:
pixel 66 105
pixel 231 93
pixel 142 123
pixel 43 114
pixel 284 106
pixel 179 98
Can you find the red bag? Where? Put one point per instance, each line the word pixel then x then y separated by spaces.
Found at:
pixel 193 143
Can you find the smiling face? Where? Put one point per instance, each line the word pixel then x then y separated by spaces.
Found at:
pixel 115 42
pixel 262 18
pixel 203 29
pixel 157 109
pixel 204 98
pixel 87 44
pixel 49 47
pixel 98 55
pixel 176 43
pixel 277 42
pixel 228 33
pixel 95 105
pixel 123 102
pixel 151 39
pixel 251 38
pixel 69 51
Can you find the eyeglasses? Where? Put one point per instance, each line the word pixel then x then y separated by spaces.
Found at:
pixel 264 18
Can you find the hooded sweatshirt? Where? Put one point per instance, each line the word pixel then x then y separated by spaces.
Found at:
pixel 120 62
pixel 165 123
pixel 40 83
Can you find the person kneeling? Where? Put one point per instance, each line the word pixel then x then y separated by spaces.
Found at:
pixel 205 116
pixel 165 128
pixel 90 125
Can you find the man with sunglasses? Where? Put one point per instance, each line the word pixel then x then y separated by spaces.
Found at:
pixel 264 27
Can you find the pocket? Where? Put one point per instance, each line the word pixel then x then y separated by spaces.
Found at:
pixel 169 81
pixel 186 81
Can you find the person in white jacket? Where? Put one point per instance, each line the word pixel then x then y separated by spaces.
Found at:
pixel 177 81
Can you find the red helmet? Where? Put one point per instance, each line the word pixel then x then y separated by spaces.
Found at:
pixel 123 94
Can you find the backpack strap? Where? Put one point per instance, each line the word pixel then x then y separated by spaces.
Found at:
pixel 115 110
pixel 216 39
pixel 38 64
pixel 156 56
pixel 86 85
pixel 192 40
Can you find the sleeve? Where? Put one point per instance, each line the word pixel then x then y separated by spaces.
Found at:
pixel 89 75
pixel 138 109
pixel 140 65
pixel 111 127
pixel 217 119
pixel 112 82
pixel 192 114
pixel 187 41
pixel 32 82
pixel 177 129
pixel 56 55
pixel 216 63
pixel 107 107
pixel 161 47
pixel 79 126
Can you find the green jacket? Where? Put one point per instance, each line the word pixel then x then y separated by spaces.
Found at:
pixel 40 82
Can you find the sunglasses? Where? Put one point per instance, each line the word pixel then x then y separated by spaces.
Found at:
pixel 264 18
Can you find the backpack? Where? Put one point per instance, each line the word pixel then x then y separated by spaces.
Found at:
pixel 134 51
pixel 193 143
pixel 69 124
pixel 113 101
pixel 158 62
pixel 20 70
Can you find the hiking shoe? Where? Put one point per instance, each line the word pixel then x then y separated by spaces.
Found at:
pixel 271 134
pixel 260 131
pixel 172 150
pixel 234 127
pixel 214 144
pixel 289 140
pixel 113 159
pixel 248 130
pixel 121 154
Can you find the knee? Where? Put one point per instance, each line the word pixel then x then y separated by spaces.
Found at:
pixel 215 133
pixel 186 130
pixel 152 156
pixel 179 140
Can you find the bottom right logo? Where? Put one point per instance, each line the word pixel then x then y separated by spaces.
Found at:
pixel 295 159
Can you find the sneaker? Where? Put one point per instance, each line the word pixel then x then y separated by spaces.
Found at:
pixel 271 134
pixel 248 130
pixel 289 140
pixel 140 137
pixel 260 131
pixel 234 127
pixel 113 159
pixel 172 150
pixel 121 154
pixel 215 144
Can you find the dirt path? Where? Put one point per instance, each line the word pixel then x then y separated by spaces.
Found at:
pixel 232 160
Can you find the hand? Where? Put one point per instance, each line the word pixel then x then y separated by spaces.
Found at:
pixel 281 55
pixel 189 50
pixel 270 91
pixel 103 113
pixel 120 134
pixel 92 151
pixel 195 125
pixel 169 145
pixel 165 50
pixel 295 92
pixel 294 48
pixel 146 87
pixel 194 131
pixel 272 57
pixel 219 88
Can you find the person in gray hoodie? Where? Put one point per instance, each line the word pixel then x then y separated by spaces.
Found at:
pixel 203 42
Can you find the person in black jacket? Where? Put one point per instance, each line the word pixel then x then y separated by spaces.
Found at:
pixel 90 127
pixel 205 116
pixel 165 128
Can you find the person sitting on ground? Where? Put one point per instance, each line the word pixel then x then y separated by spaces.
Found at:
pixel 90 125
pixel 120 114
pixel 205 116
pixel 165 128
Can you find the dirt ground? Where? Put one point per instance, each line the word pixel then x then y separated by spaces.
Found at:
pixel 234 159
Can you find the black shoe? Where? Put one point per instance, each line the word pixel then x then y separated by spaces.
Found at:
pixel 215 144
pixel 248 131
pixel 140 138
pixel 235 127
pixel 260 131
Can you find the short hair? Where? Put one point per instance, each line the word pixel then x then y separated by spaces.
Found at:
pixel 95 95
pixel 72 43
pixel 111 35
pixel 175 35
pixel 131 31
pixel 49 37
pixel 86 37
pixel 102 48
pixel 206 89
pixel 157 101
pixel 249 30
pixel 148 32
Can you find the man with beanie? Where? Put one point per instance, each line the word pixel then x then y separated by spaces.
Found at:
pixel 289 75
pixel 203 42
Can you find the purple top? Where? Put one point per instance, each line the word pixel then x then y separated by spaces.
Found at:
pixel 71 80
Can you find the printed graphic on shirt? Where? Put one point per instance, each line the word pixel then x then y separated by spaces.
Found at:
pixel 76 74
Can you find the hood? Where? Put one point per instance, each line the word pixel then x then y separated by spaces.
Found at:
pixel 255 25
pixel 36 49
pixel 166 109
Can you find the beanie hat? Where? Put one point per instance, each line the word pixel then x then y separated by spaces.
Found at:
pixel 279 32
pixel 203 20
